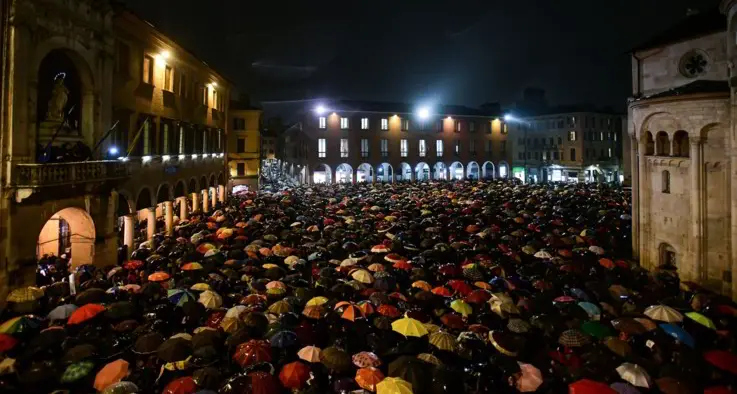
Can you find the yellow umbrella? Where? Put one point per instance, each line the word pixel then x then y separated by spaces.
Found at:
pixel 310 354
pixel 504 309
pixel 421 284
pixel 280 307
pixel 394 386
pixel 317 301
pixel 231 324
pixel 363 276
pixel 427 357
pixel 25 294
pixel 210 299
pixel 461 307
pixel 200 287
pixel 431 328
pixel 443 341
pixel 701 319
pixel 409 327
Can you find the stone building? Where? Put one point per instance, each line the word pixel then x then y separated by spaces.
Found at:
pixel 244 145
pixel 357 141
pixel 568 145
pixel 106 121
pixel 681 125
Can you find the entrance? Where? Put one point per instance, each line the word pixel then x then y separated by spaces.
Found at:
pixel 70 231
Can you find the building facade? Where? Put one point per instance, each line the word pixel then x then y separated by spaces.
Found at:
pixel 568 147
pixel 383 142
pixel 244 145
pixel 681 125
pixel 106 122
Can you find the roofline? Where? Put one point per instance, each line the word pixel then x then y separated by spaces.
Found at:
pixel 641 49
pixel 680 97
pixel 444 114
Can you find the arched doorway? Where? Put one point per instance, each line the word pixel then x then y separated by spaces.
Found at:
pixel 503 170
pixel 322 174
pixel 405 172
pixel 384 172
pixel 422 171
pixel 472 171
pixel 69 232
pixel 487 171
pixel 365 173
pixel 439 171
pixel 456 170
pixel 344 173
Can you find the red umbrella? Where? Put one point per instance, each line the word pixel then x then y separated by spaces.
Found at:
pixel 185 385
pixel 460 286
pixel 450 270
pixel 294 375
pixel 586 386
pixel 453 320
pixel 478 297
pixel 264 383
pixel 389 310
pixel 7 342
pixel 133 265
pixel 84 313
pixel 722 359
pixel 251 352
pixel 442 291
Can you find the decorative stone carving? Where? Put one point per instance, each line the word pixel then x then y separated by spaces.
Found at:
pixel 58 101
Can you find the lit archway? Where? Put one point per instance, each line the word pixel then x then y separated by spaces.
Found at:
pixel 456 170
pixel 405 172
pixel 487 170
pixel 69 232
pixel 364 173
pixel 422 171
pixel 384 172
pixel 503 170
pixel 440 172
pixel 472 171
pixel 344 173
pixel 322 174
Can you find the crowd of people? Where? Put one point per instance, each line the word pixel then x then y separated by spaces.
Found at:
pixel 441 287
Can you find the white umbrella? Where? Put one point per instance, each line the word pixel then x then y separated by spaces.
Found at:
pixel 235 312
pixel 635 375
pixel 663 313
pixel 543 254
pixel 597 249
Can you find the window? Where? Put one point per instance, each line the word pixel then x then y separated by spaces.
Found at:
pixel 215 101
pixel 343 123
pixel 521 141
pixel 168 78
pixel 615 136
pixel 364 124
pixel 665 179
pixel 146 138
pixel 601 136
pixel 545 155
pixel 343 146
pixel 403 148
pixel 405 124
pixel 472 127
pixel 423 148
pixel 488 146
pixel 384 124
pixel 609 153
pixel 472 146
pixel 439 126
pixel 241 169
pixel 122 59
pixel 457 148
pixel 181 140
pixel 364 147
pixel 571 136
pixel 239 124
pixel 573 154
pixel 384 147
pixel 183 91
pixel 505 129
pixel 537 155
pixel 459 126
pixel 165 139
pixel 240 146
pixel 560 141
pixel 439 148
pixel 555 155
pixel 321 147
pixel 148 70
pixel 205 95
pixel 204 142
pixel 322 122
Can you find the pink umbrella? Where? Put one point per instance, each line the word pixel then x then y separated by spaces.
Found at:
pixel 530 380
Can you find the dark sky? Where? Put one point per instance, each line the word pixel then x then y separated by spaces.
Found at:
pixel 454 52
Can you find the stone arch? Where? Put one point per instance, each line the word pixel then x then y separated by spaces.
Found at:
pixel 193 187
pixel 69 229
pixel 472 170
pixel 456 170
pixel 680 144
pixel 440 171
pixel 126 203
pixel 180 189
pixel 221 179
pixel 405 171
pixel 667 255
pixel 503 169
pixel 487 170
pixel 364 173
pixel 663 121
pixel 203 183
pixel 662 144
pixel 322 174
pixel 213 180
pixel 649 143
pixel 422 171
pixel 145 199
pixel 164 193
pixel 344 173
pixel 385 172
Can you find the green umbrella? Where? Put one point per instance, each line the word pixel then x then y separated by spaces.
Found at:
pixel 77 371
pixel 596 329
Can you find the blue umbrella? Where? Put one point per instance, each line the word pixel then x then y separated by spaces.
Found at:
pixel 179 297
pixel 580 294
pixel 62 312
pixel 678 333
pixel 283 339
pixel 591 309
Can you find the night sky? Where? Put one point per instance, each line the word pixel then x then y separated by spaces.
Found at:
pixel 452 52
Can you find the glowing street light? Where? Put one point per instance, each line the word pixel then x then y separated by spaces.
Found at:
pixel 165 54
pixel 320 109
pixel 423 113
pixel 509 118
pixel 113 150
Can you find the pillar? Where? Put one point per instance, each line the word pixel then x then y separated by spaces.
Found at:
pixel 635 196
pixel 205 200
pixel 221 194
pixel 169 217
pixel 196 201
pixel 183 208
pixel 644 203
pixel 151 222
pixel 697 203
pixel 129 229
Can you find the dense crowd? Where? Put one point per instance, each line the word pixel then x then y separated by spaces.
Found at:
pixel 464 287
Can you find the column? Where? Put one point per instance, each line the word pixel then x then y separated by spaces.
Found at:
pixel 196 201
pixel 183 208
pixel 644 203
pixel 635 196
pixel 151 222
pixel 221 194
pixel 129 228
pixel 697 220
pixel 169 217
pixel 205 200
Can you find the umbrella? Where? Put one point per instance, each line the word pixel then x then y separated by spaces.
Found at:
pixel 179 297
pixel 678 333
pixel 701 319
pixel 84 313
pixel 586 386
pixel 530 379
pixel 461 307
pixel 122 388
pixel 629 326
pixel 210 299
pixel 7 342
pixel 251 352
pixel 624 388
pixel 723 360
pixel 393 386
pixel 663 313
pixel 443 341
pixel 573 338
pixel 365 359
pixel 310 354
pixel 294 375
pixel 596 329
pixel 409 327
pixel 368 378
pixel 61 312
pixel 635 375
pixel 77 371
pixel 335 358
pixel 111 373
pixel 618 346
pixel 25 294
pixel 668 385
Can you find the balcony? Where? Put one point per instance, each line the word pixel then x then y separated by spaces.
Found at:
pixel 59 174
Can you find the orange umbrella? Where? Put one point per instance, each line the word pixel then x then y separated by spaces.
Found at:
pixel 294 375
pixel 368 378
pixel 314 311
pixel 366 308
pixel 351 312
pixel 606 263
pixel 111 373
pixel 389 310
pixel 158 276
pixel 442 291
pixel 310 354
pixel 84 313
pixel 421 284
pixel 341 304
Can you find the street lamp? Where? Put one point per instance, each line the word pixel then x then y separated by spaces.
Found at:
pixel 423 113
pixel 113 150
pixel 320 109
pixel 509 118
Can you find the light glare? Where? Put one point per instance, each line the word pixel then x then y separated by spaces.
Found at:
pixel 320 110
pixel 423 113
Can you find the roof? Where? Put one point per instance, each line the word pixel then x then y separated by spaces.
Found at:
pixel 569 109
pixel 404 108
pixel 693 26
pixel 695 87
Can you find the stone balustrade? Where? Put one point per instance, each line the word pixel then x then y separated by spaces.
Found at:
pixel 29 175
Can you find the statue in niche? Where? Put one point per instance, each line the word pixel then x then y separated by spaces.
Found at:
pixel 58 101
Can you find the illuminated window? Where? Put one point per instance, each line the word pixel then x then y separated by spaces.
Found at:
pixel 321 147
pixel 215 103
pixel 148 70
pixel 439 148
pixel 343 123
pixel 571 136
pixel 423 148
pixel 146 138
pixel 205 95
pixel 403 148
pixel 181 140
pixel 364 147
pixel 458 147
pixel 165 138
pixel 458 126
pixel 322 122
pixel 405 124
pixel 364 124
pixel 168 78
pixel 610 152
pixel 545 155
pixel 384 147
pixel 343 146
pixel 505 129
pixel 601 136
pixel 384 124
